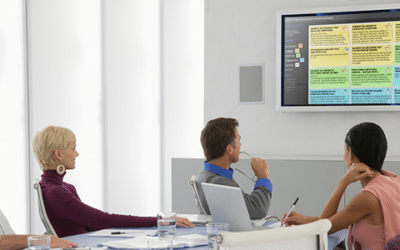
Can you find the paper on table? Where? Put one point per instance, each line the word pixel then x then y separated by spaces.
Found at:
pixel 125 233
pixel 91 248
pixel 190 240
pixel 274 225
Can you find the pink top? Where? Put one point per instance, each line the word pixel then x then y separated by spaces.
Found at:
pixel 366 236
pixel 386 188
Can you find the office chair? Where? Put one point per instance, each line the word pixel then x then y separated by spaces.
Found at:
pixel 308 236
pixel 42 210
pixel 5 227
pixel 192 183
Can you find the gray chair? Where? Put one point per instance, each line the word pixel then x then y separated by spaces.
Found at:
pixel 5 227
pixel 192 183
pixel 42 210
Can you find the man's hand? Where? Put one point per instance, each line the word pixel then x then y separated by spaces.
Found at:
pixel 260 167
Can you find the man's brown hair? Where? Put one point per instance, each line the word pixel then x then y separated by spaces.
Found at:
pixel 216 135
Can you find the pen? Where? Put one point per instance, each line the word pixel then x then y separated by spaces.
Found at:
pixel 126 232
pixel 290 210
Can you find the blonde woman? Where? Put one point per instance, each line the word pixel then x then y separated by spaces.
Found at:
pixel 55 150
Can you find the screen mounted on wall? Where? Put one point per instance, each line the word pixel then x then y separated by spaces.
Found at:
pixel 339 59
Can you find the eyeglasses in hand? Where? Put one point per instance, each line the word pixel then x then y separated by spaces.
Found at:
pixel 254 179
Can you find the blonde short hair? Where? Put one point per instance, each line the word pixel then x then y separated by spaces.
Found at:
pixel 47 141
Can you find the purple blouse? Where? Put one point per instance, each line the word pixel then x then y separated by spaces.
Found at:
pixel 69 215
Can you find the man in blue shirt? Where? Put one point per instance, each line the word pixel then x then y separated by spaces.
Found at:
pixel 220 140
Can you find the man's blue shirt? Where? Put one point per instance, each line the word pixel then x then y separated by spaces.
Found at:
pixel 228 173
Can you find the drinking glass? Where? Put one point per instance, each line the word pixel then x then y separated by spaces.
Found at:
pixel 166 223
pixel 212 230
pixel 41 242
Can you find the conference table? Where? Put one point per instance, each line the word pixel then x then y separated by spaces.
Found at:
pixel 84 240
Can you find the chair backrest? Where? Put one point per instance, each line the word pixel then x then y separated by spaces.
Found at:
pixel 42 210
pixel 5 227
pixel 309 236
pixel 192 183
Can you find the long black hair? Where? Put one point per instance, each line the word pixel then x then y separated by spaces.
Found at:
pixel 368 143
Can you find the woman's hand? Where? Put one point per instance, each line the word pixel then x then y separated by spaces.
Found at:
pixel 356 172
pixel 60 243
pixel 295 218
pixel 183 222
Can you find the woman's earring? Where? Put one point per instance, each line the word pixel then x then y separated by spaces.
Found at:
pixel 60 169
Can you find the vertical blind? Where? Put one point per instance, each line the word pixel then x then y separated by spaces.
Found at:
pixel 96 67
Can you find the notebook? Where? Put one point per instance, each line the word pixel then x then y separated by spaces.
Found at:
pixel 227 205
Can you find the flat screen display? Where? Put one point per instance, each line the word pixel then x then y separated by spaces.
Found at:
pixel 345 60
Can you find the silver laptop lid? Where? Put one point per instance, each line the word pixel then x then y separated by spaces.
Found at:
pixel 227 205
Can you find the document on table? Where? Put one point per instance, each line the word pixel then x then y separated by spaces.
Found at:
pixel 274 225
pixel 122 233
pixel 91 248
pixel 190 240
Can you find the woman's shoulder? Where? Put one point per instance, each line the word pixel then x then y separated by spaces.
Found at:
pixel 366 198
pixel 384 185
pixel 57 190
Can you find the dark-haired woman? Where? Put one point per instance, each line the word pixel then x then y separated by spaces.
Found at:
pixel 373 215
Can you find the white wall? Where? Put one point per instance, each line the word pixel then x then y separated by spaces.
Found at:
pixel 153 64
pixel 65 88
pixel 126 76
pixel 183 84
pixel 244 32
pixel 13 112
pixel 132 76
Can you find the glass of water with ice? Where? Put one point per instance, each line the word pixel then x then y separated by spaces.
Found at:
pixel 41 242
pixel 166 223
pixel 212 230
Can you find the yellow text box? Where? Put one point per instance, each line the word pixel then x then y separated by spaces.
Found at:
pixel 397 32
pixel 330 35
pixel 330 57
pixel 370 55
pixel 372 33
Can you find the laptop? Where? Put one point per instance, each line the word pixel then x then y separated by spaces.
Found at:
pixel 227 205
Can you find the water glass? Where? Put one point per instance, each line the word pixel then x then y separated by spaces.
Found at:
pixel 39 242
pixel 166 223
pixel 160 244
pixel 212 230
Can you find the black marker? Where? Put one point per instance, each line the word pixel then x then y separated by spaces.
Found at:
pixel 290 210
